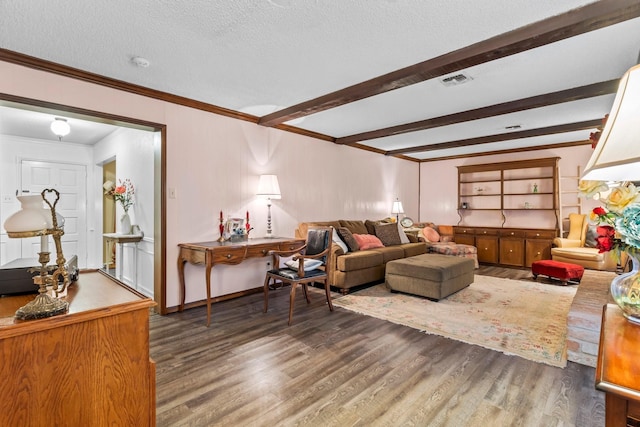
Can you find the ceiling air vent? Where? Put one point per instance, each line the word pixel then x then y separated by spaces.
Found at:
pixel 455 80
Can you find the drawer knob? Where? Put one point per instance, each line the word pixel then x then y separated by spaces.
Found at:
pixel 484 232
pixel 538 253
pixel 512 233
pixel 510 250
pixel 228 256
pixel 264 251
pixel 537 234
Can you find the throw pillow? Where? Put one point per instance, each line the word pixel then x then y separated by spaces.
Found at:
pixel 371 226
pixel 591 237
pixel 430 234
pixel 309 264
pixel 355 226
pixel 367 241
pixel 348 238
pixel 338 241
pixel 403 236
pixel 388 234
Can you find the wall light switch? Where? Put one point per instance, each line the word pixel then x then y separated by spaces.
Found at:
pixel 172 193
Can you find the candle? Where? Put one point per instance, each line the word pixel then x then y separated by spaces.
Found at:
pixel 44 243
pixel 247 216
pixel 221 216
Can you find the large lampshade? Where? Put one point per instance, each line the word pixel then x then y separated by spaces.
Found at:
pixel 33 216
pixel 617 154
pixel 268 187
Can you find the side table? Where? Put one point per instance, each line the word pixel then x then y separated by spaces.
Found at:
pixel 121 239
pixel 617 369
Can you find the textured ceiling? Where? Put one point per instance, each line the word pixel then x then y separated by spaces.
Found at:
pixel 240 55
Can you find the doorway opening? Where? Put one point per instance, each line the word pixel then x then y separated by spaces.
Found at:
pixel 100 165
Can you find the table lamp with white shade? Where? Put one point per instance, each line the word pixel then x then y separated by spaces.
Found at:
pixel 268 188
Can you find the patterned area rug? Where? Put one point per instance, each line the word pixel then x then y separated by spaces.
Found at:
pixel 521 318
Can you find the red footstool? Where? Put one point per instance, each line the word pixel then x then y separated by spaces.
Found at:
pixel 558 270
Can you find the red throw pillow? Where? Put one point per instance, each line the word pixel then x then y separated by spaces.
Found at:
pixel 367 241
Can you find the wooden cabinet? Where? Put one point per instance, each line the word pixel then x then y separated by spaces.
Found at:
pixel 515 247
pixel 89 367
pixel 509 187
pixel 487 249
pixel 512 247
pixel 538 245
pixel 617 369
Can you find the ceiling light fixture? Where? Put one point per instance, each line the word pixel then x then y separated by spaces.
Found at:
pixel 60 127
pixel 140 62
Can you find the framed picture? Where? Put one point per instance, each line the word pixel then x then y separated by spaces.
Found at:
pixel 234 226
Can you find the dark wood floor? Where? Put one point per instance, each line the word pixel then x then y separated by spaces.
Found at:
pixel 345 369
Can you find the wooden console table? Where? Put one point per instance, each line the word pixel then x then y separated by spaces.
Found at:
pixel 87 367
pixel 618 370
pixel 229 253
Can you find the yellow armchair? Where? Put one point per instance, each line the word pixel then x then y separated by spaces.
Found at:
pixel 578 224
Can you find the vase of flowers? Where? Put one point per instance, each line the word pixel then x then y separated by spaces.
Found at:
pixel 122 193
pixel 619 231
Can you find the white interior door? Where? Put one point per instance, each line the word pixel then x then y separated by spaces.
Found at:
pixel 71 182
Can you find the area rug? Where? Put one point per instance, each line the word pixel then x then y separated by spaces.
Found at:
pixel 516 317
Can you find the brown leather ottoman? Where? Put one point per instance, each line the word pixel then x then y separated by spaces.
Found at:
pixel 433 276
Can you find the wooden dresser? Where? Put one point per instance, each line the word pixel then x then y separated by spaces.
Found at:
pixel 89 367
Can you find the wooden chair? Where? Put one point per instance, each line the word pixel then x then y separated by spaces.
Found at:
pixel 317 248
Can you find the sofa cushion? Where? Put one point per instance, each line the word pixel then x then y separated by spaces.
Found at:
pixel 388 234
pixel 347 237
pixel 354 226
pixel 584 254
pixel 359 260
pixel 413 249
pixel 367 241
pixel 389 253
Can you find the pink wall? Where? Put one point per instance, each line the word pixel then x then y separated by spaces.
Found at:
pixel 213 163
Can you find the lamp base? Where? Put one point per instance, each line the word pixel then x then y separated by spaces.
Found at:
pixel 42 306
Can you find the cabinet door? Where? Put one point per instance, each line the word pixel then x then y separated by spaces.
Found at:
pixel 512 252
pixel 465 239
pixel 487 249
pixel 537 250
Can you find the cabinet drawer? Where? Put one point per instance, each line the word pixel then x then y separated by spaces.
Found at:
pixel 290 246
pixel 256 251
pixel 512 233
pixel 462 230
pixel 540 234
pixel 486 232
pixel 230 255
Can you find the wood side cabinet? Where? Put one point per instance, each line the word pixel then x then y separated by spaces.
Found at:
pixel 514 247
pixel 89 367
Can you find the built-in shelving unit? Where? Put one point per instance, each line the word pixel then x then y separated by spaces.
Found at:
pixel 509 191
pixel 509 187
